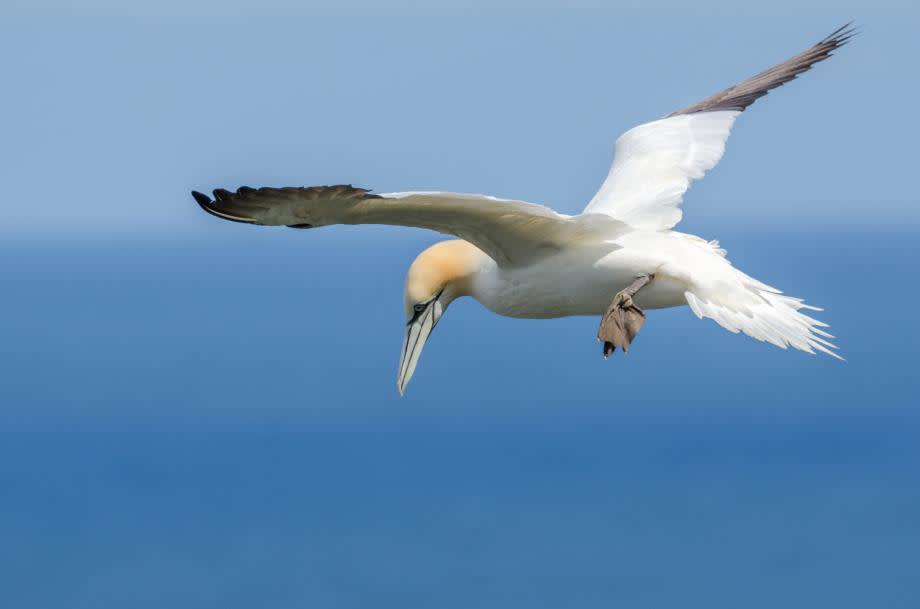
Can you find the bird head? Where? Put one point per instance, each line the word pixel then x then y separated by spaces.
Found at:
pixel 438 276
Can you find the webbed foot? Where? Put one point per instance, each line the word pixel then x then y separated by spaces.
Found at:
pixel 623 319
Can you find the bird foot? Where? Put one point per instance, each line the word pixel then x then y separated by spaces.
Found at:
pixel 623 319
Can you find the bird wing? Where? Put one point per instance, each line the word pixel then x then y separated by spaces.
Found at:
pixel 655 162
pixel 513 233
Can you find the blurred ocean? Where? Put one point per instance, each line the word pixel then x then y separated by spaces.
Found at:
pixel 215 424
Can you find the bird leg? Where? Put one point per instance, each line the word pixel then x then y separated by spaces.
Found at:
pixel 623 318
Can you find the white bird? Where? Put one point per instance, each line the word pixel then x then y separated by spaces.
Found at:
pixel 524 260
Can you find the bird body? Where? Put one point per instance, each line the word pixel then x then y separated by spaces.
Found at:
pixel 525 260
pixel 582 279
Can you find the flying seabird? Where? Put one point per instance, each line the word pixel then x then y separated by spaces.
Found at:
pixel 615 259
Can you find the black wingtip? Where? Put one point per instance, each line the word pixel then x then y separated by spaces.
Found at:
pixel 222 194
pixel 201 198
pixel 205 202
pixel 842 35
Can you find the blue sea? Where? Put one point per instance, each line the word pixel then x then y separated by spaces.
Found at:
pixel 214 423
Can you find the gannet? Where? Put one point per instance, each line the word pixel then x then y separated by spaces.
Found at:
pixel 617 258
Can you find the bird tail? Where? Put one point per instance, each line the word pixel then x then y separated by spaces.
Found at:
pixel 740 303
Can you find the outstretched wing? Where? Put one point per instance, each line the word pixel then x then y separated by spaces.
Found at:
pixel 655 162
pixel 513 233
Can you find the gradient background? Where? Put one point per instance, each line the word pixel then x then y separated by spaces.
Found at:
pixel 202 414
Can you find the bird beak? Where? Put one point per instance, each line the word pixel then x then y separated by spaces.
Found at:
pixel 417 331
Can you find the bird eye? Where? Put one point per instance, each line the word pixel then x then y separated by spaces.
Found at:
pixel 419 308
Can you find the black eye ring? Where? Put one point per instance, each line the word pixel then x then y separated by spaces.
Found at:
pixel 419 307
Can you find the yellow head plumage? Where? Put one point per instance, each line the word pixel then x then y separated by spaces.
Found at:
pixel 447 266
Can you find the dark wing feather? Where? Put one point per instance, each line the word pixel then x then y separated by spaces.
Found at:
pixel 254 205
pixel 744 94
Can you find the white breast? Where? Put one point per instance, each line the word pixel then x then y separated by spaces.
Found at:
pixel 580 281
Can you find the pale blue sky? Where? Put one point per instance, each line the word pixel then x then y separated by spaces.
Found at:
pixel 114 112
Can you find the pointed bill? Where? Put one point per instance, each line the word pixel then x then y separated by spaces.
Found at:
pixel 417 332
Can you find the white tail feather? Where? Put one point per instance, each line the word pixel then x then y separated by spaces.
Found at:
pixel 763 313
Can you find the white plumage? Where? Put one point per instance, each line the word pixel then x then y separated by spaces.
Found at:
pixel 654 164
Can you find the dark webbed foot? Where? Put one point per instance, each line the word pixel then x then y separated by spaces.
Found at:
pixel 623 319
